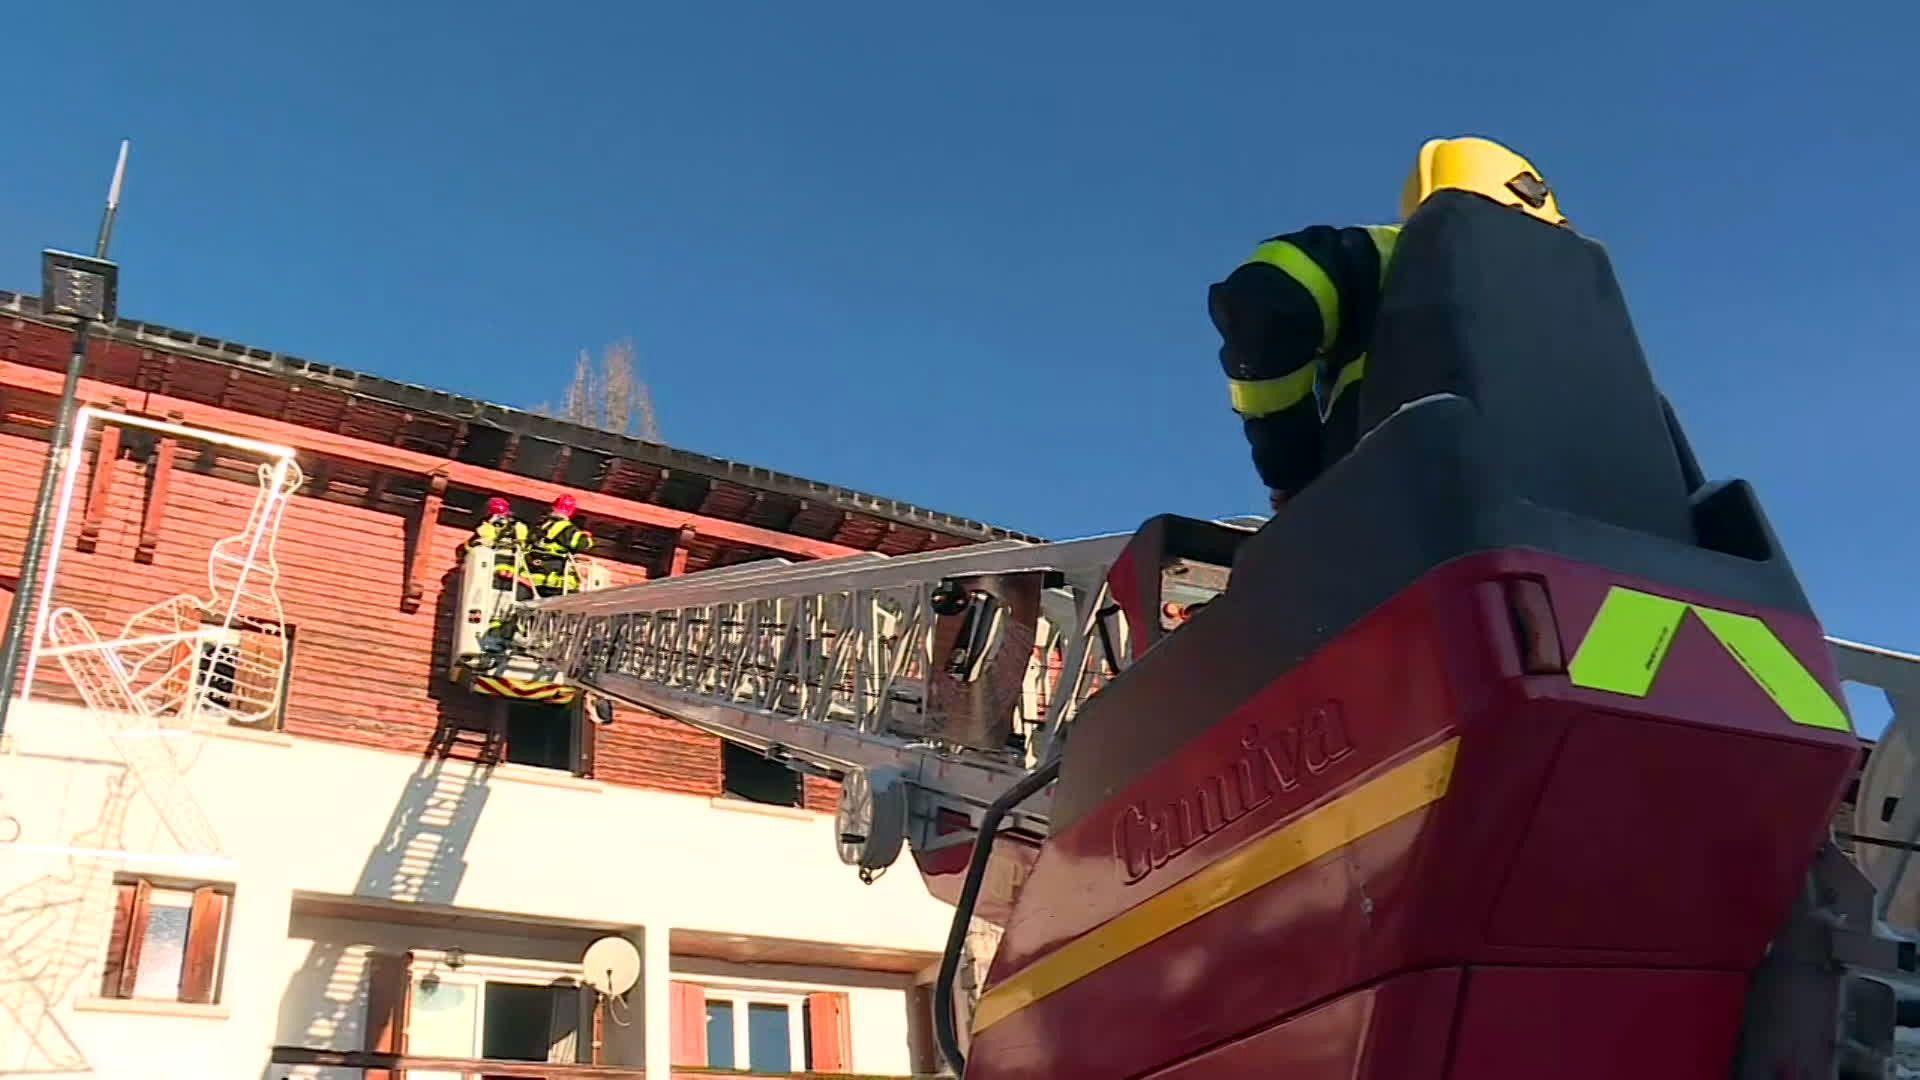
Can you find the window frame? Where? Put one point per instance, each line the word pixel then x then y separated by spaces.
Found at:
pixel 202 978
pixel 740 998
pixel 475 972
pixel 732 751
pixel 204 662
pixel 579 750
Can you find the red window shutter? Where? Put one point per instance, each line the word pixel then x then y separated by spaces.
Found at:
pixel 136 935
pixel 689 1004
pixel 389 992
pixel 206 926
pixel 117 941
pixel 829 1031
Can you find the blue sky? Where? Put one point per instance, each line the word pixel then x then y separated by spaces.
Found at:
pixel 959 256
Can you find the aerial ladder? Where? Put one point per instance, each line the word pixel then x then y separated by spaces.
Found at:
pixel 1511 748
pixel 927 685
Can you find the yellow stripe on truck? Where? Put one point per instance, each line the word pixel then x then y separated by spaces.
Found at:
pixel 1379 802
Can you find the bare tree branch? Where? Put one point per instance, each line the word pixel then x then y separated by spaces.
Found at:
pixel 580 403
pixel 617 373
pixel 647 421
pixel 610 394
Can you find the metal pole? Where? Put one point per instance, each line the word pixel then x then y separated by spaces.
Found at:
pixel 10 649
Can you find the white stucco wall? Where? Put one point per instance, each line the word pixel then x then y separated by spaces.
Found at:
pixel 311 817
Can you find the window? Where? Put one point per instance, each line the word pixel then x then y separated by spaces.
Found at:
pixel 463 1015
pixel 543 735
pixel 754 1032
pixel 763 1031
pixel 752 776
pixel 244 680
pixel 168 941
pixel 528 1023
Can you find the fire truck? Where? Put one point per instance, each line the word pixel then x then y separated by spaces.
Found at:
pixel 1511 748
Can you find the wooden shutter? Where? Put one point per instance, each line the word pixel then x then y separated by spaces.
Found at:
pixel 584 725
pixel 922 1047
pixel 206 926
pixel 389 992
pixel 828 1031
pixel 136 935
pixel 689 1005
pixel 116 965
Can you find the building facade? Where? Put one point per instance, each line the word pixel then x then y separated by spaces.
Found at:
pixel 392 874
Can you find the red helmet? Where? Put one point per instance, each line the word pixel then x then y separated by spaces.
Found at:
pixel 498 507
pixel 565 505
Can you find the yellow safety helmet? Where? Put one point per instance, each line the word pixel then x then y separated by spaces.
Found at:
pixel 1485 168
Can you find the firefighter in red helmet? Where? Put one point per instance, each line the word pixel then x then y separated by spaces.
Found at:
pixel 555 542
pixel 506 535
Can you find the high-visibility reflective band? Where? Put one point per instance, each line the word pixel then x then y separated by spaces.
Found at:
pixel 1255 398
pixel 1628 642
pixel 1355 370
pixel 1772 665
pixel 1384 238
pixel 1402 790
pixel 1300 266
pixel 523 689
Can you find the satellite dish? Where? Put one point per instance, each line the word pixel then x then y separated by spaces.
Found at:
pixel 871 821
pixel 611 966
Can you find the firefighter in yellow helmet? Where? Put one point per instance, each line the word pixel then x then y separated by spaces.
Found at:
pixel 1296 319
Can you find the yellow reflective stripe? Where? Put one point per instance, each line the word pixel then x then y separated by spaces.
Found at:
pixel 1627 643
pixel 1255 398
pixel 1776 669
pixel 1633 631
pixel 1355 370
pixel 1300 266
pixel 1384 238
pixel 1379 802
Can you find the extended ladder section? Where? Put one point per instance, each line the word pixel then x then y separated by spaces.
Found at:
pixel 931 683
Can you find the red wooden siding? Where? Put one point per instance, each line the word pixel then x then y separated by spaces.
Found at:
pixel 364 671
pixel 821 795
pixel 370 634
